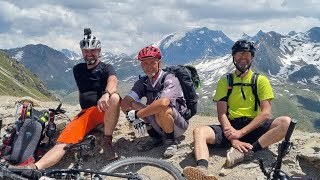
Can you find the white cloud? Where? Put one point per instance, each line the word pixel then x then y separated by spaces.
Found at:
pixel 125 26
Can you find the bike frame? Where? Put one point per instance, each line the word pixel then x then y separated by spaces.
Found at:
pixel 73 173
pixel 283 149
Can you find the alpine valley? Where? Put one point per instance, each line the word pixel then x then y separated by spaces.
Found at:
pixel 291 62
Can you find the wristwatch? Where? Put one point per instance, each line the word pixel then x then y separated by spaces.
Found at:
pixel 105 92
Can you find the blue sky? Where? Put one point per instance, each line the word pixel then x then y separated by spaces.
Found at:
pixel 125 26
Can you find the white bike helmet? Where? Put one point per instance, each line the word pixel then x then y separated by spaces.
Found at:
pixel 89 42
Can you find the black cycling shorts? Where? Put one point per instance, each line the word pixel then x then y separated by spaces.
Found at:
pixel 239 123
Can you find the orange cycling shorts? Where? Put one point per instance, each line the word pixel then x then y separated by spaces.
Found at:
pixel 81 124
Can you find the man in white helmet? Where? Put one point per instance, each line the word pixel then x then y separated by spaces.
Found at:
pixel 99 101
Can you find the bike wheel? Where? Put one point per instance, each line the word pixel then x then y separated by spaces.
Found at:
pixel 145 167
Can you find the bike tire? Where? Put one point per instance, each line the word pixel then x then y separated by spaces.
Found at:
pixel 144 167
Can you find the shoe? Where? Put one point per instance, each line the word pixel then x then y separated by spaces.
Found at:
pixel 234 156
pixel 28 166
pixel 111 154
pixel 197 173
pixel 171 148
pixel 150 144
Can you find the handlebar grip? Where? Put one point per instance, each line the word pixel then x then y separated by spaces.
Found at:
pixel 290 129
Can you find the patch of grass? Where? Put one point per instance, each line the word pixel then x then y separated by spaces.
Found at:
pixel 16 80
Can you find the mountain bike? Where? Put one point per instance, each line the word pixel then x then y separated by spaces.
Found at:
pixel 133 168
pixel 275 172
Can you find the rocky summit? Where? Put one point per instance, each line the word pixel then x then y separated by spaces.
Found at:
pixel 303 159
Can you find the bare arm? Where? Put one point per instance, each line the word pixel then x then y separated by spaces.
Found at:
pixel 230 133
pixel 222 108
pixel 263 116
pixel 154 108
pixel 128 103
pixel 112 83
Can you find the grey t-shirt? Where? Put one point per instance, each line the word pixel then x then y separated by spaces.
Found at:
pixel 171 90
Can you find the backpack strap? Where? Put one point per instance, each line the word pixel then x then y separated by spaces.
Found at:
pixel 163 79
pixel 230 85
pixel 254 87
pixel 145 78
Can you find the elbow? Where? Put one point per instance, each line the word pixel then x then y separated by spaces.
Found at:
pixel 266 115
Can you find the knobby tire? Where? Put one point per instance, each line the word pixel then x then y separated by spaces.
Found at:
pixel 146 167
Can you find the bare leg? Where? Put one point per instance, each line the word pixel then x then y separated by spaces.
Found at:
pixel 111 115
pixel 201 136
pixel 52 157
pixel 165 120
pixel 277 131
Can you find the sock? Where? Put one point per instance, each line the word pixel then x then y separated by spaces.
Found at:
pixel 154 134
pixel 170 135
pixel 202 163
pixel 256 146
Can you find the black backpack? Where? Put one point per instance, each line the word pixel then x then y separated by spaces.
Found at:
pixel 253 85
pixel 189 81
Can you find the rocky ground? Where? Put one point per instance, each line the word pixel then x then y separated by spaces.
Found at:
pixel 302 160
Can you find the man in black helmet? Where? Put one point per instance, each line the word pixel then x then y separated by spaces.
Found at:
pixel 99 101
pixel 244 125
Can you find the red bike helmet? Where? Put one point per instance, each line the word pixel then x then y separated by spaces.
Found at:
pixel 148 52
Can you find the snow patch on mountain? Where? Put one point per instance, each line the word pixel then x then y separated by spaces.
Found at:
pixel 18 56
pixel 71 55
pixel 175 37
pixel 210 69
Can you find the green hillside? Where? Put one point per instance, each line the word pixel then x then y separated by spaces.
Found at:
pixel 16 80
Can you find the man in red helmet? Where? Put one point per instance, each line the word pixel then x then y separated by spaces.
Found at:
pixel 163 114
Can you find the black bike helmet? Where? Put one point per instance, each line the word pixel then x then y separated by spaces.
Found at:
pixel 243 45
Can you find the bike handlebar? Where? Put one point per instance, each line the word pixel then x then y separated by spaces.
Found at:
pixel 58 110
pixel 290 130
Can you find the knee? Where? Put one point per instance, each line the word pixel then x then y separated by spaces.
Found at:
pixel 198 132
pixel 285 122
pixel 114 99
pixel 164 113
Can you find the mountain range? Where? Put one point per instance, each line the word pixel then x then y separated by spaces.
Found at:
pixel 291 62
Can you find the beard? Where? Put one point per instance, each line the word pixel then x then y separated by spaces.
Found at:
pixel 151 75
pixel 90 61
pixel 243 68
